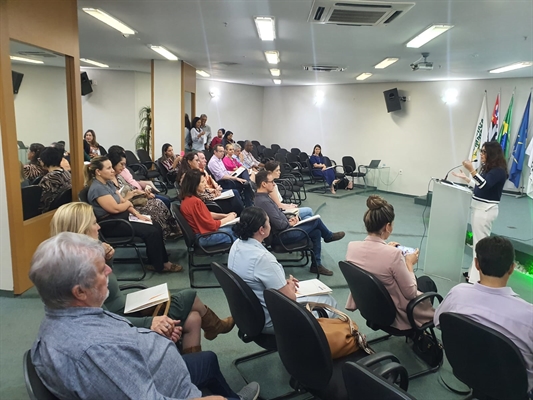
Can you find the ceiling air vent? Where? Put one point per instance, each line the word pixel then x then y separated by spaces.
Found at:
pixel 43 54
pixel 356 13
pixel 323 68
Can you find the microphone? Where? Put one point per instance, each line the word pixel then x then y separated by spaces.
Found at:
pixel 445 180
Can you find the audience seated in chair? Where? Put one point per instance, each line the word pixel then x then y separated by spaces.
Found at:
pixel 248 159
pixel 491 302
pixel 33 169
pixel 388 264
pixel 320 168
pixel 56 181
pixel 249 259
pixel 90 146
pixel 170 161
pixel 77 336
pixel 279 222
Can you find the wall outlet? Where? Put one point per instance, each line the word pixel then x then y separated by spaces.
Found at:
pixel 400 171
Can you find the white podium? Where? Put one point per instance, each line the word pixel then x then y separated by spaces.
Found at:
pixel 450 210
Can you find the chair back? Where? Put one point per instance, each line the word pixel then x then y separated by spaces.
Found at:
pixel 483 358
pixel 363 383
pixel 31 199
pixel 34 385
pixel 303 157
pixel 82 195
pixel 292 158
pixel 163 171
pixel 348 163
pixel 256 143
pixel 275 147
pixel 269 153
pixel 281 158
pixel 241 143
pixel 370 296
pixel 327 161
pixel 296 151
pixel 64 197
pixel 244 305
pixel 188 234
pixel 302 344
pixel 131 158
pixel 144 156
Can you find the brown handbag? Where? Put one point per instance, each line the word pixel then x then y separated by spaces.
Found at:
pixel 342 333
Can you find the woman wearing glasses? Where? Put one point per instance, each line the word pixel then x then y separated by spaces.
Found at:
pixel 488 186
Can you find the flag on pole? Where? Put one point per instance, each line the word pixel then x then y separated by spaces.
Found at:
pixel 519 149
pixel 529 152
pixel 505 129
pixel 495 120
pixel 480 134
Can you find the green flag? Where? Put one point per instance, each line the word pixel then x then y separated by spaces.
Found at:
pixel 505 129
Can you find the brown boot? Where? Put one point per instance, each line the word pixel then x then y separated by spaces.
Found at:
pixel 212 325
pixel 193 349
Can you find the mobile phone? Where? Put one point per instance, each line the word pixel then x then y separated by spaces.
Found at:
pixel 406 250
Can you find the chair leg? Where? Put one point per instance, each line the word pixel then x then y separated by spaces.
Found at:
pixel 198 268
pixel 139 257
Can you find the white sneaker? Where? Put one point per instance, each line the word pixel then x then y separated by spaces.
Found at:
pixel 249 392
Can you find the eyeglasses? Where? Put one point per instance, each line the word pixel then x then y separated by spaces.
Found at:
pixel 483 151
pixel 272 181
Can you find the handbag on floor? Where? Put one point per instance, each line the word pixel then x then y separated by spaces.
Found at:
pixel 428 348
pixel 342 333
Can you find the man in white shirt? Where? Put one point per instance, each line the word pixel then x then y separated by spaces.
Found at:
pixel 207 129
pixel 249 160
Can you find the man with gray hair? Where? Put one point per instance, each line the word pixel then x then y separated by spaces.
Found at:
pixel 82 351
pixel 207 130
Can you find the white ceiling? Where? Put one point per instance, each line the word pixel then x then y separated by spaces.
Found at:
pixel 208 33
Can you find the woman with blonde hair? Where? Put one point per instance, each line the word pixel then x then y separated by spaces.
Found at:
pixel 187 312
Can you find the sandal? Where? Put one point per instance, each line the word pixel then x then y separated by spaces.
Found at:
pixel 173 268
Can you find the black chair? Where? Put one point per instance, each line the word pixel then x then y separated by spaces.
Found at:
pixel 241 143
pixel 296 151
pixel 483 359
pixel 317 179
pixel 164 175
pixel 338 169
pixel 37 180
pixel 281 157
pixel 304 350
pixel 303 246
pixel 140 168
pixel 128 242
pixel 63 198
pixel 256 143
pixel 268 155
pixel 275 147
pixel 377 308
pixel 296 180
pixel 364 383
pixel 247 312
pixel 194 248
pixel 31 200
pixel 34 385
pixel 351 169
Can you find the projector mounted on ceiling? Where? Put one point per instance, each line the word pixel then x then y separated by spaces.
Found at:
pixel 422 64
pixel 356 13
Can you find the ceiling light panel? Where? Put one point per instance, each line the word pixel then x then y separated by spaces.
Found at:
pixel 277 81
pixel 109 20
pixel 429 34
pixel 512 67
pixel 275 72
pixel 363 76
pixel 386 62
pixel 24 59
pixel 164 52
pixel 272 57
pixel 98 64
pixel 202 73
pixel 266 28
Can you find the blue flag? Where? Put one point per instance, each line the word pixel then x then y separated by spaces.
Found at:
pixel 519 149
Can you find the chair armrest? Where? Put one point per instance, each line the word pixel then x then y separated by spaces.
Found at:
pixel 132 286
pixel 373 359
pixel 103 224
pixel 286 231
pixel 139 168
pixel 391 372
pixel 321 311
pixel 416 301
pixel 205 235
pixel 348 169
pixel 365 167
pixel 213 207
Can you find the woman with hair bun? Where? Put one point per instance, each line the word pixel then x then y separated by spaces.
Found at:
pixel 34 170
pixel 388 264
pixel 249 259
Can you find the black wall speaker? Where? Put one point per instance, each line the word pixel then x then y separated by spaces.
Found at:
pixel 392 100
pixel 17 80
pixel 86 86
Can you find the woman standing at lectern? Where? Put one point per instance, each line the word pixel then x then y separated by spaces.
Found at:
pixel 488 186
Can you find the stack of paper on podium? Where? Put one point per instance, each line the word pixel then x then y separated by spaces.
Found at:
pixel 146 298
pixel 312 287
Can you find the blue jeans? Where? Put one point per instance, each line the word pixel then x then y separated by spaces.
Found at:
pixel 246 190
pixel 218 238
pixel 316 231
pixel 305 212
pixel 205 374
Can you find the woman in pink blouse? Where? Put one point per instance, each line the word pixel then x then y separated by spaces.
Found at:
pixel 229 161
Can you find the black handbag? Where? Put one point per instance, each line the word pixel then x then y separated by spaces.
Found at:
pixel 428 348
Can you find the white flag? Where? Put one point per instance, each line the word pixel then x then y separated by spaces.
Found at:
pixel 529 152
pixel 480 135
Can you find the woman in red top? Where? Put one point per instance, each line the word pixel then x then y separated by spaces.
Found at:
pixel 198 216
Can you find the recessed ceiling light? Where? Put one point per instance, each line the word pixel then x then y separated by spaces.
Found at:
pixel 24 59
pixel 277 81
pixel 202 73
pixel 511 67
pixel 429 34
pixel 98 64
pixel 164 52
pixel 266 27
pixel 272 57
pixel 363 76
pixel 386 62
pixel 109 20
pixel 275 72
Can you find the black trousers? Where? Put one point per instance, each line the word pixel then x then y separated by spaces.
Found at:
pixel 152 236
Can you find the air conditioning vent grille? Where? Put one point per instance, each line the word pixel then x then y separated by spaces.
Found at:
pixel 355 17
pixel 323 68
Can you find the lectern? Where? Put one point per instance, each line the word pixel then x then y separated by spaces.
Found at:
pixel 450 210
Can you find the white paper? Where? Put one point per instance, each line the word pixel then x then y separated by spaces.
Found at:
pixel 146 298
pixel 228 194
pixel 312 287
pixel 238 171
pixel 133 218
pixel 232 222
pixel 303 221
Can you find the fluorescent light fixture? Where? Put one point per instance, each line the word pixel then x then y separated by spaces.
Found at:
pixel 512 67
pixel 429 34
pixel 164 52
pixel 363 76
pixel 319 97
pixel 202 73
pixel 109 20
pixel 277 81
pixel 266 27
pixel 272 57
pixel 386 62
pixel 98 64
pixel 275 72
pixel 24 59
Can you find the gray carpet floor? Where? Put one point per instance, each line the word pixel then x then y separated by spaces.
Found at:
pixel 21 316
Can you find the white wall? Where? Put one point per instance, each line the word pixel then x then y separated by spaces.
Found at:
pixel 424 139
pixel 6 267
pixel 112 109
pixel 238 108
